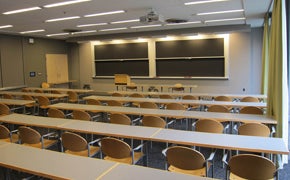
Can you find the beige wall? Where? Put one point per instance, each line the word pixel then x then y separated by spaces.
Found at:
pixel 244 68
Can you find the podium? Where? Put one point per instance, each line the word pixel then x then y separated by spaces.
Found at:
pixel 122 79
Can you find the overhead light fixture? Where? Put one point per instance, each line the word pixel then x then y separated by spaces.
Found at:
pixel 89 25
pixel 5 26
pixel 113 29
pixel 64 3
pixel 58 34
pixel 32 31
pixel 184 23
pixel 147 26
pixel 84 32
pixel 220 20
pixel 62 19
pixel 105 13
pixel 220 12
pixel 203 2
pixel 125 21
pixel 21 10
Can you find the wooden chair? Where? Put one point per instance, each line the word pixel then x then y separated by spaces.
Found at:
pixel 33 138
pixel 7 135
pixel 116 118
pixel 208 125
pixel 177 106
pixel 55 113
pixel 33 106
pixel 73 97
pixel 4 109
pixel 81 115
pixel 43 103
pixel 222 98
pixel 75 144
pixel 7 96
pixel 188 161
pixel 93 102
pixel 119 151
pixel 115 94
pixel 249 99
pixel 191 97
pixel 154 121
pixel 254 129
pixel 45 85
pixel 114 103
pixel 218 108
pixel 95 114
pixel 136 95
pixel 177 87
pixel 149 105
pixel 165 96
pixel 38 91
pixel 250 166
pixel 132 87
pixel 251 110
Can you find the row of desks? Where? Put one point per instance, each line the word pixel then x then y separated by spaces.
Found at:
pixel 167 113
pixel 56 165
pixel 182 101
pixel 222 141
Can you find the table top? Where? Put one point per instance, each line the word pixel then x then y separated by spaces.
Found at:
pixel 49 95
pixel 60 89
pixel 18 102
pixel 222 141
pixel 182 101
pixel 167 113
pixel 262 96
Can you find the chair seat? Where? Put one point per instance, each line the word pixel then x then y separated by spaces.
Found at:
pixel 197 172
pixel 128 160
pixel 46 143
pixel 93 150
pixel 15 138
pixel 235 177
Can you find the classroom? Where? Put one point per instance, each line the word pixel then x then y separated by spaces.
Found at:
pixel 235 48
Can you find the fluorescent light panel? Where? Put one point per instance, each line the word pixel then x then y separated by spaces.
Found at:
pixel 105 13
pixel 21 10
pixel 88 25
pixel 219 20
pixel 5 26
pixel 125 21
pixel 203 2
pixel 64 3
pixel 58 34
pixel 184 23
pixel 113 29
pixel 147 26
pixel 32 31
pixel 83 32
pixel 62 19
pixel 220 12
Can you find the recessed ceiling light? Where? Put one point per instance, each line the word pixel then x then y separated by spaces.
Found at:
pixel 21 10
pixel 64 3
pixel 184 23
pixel 83 32
pixel 113 29
pixel 105 13
pixel 5 26
pixel 32 31
pixel 220 12
pixel 219 20
pixel 125 21
pixel 58 34
pixel 88 25
pixel 203 2
pixel 62 19
pixel 146 26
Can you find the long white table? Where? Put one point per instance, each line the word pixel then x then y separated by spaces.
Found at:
pixel 167 113
pixel 17 102
pixel 182 101
pixel 222 141
pixel 64 90
pixel 48 95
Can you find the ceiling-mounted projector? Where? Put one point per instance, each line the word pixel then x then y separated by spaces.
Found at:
pixel 151 18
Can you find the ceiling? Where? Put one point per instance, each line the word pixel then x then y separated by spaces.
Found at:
pixel 253 13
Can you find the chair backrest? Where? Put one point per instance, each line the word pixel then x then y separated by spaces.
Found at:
pixel 114 103
pixel 4 109
pixel 38 91
pixel 55 92
pixel 27 97
pixel 7 96
pixel 251 110
pixel 178 87
pixel 115 148
pixel 25 90
pixel 175 106
pixel 45 85
pixel 254 129
pixel 165 96
pixel 28 135
pixel 72 96
pixel 43 101
pixel 74 142
pixel 222 98
pixel 185 158
pixel 93 102
pixel 55 113
pixel 4 132
pixel 153 121
pixel 115 94
pixel 81 115
pixel 190 97
pixel 209 125
pixel 218 108
pixel 120 119
pixel 249 99
pixel 136 95
pixel 149 105
pixel 250 166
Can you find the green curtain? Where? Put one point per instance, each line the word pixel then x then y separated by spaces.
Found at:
pixel 277 101
pixel 265 56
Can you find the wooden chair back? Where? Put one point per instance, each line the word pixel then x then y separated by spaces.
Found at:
pixel 254 129
pixel 72 97
pixel 222 98
pixel 38 91
pixel 218 108
pixel 120 119
pixel 81 115
pixel 55 113
pixel 175 106
pixel 251 110
pixel 45 85
pixel 149 105
pixel 7 96
pixel 74 142
pixel 178 87
pixel 190 97
pixel 93 102
pixel 250 166
pixel 136 95
pixel 114 103
pixel 43 101
pixel 115 94
pixel 249 99
pixel 4 132
pixel 4 109
pixel 165 96
pixel 209 125
pixel 115 148
pixel 28 135
pixel 153 121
